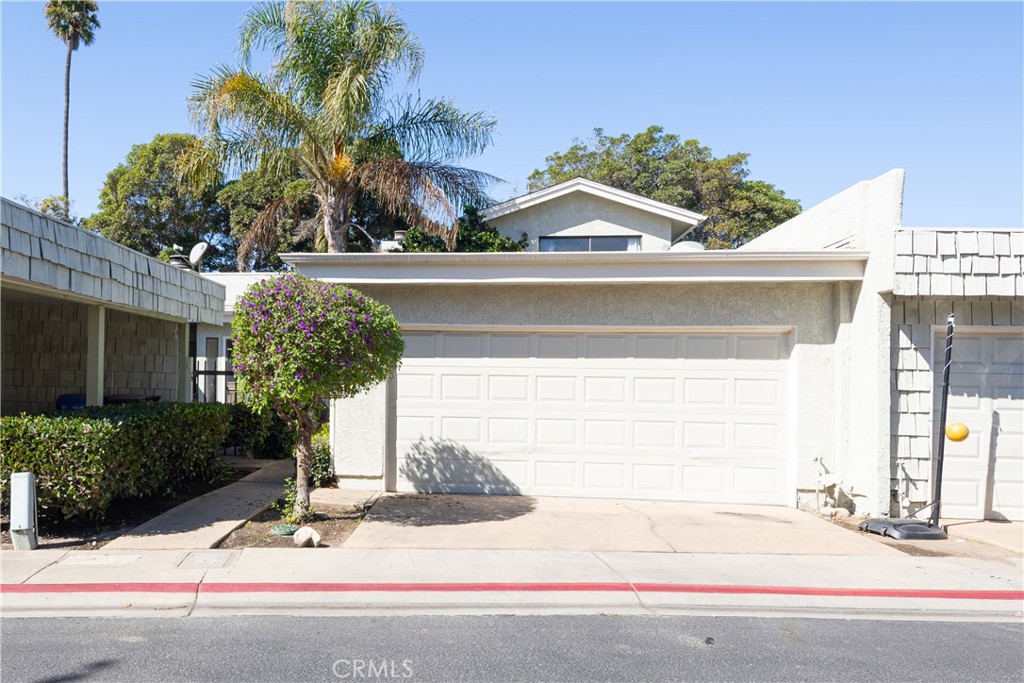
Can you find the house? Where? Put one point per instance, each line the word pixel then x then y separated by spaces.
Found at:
pixel 80 314
pixel 610 359
pixel 793 371
pixel 581 215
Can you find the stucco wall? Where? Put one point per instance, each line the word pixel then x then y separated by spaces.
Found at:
pixel 44 354
pixel 912 380
pixel 808 308
pixel 585 215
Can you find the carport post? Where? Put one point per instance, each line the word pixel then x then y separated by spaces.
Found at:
pixel 96 349
pixel 184 366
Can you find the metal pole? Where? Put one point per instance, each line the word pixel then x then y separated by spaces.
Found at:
pixel 937 500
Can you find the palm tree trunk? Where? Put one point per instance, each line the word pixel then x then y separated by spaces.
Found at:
pixel 67 109
pixel 335 225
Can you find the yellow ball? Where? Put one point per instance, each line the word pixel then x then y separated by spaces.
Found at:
pixel 957 431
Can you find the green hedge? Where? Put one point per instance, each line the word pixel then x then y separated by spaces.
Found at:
pixel 86 459
pixel 261 435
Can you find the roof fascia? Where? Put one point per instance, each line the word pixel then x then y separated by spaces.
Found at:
pixel 525 201
pixel 556 268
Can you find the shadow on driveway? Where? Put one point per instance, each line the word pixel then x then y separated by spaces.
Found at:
pixel 441 510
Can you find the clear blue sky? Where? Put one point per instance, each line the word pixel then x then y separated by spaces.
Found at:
pixel 820 95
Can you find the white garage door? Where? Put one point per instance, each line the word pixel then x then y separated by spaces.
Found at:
pixel 696 417
pixel 983 476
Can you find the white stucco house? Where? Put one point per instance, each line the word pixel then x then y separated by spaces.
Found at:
pixel 602 362
pixel 610 359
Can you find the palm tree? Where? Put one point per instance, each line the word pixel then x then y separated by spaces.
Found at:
pixel 75 23
pixel 326 113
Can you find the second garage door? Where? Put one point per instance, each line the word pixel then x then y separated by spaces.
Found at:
pixel 681 416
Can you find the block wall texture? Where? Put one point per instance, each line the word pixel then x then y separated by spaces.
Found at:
pixel 44 347
pixel 912 380
pixel 44 355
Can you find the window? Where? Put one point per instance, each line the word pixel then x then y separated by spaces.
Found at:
pixel 616 243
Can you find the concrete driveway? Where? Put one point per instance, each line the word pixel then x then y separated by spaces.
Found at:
pixel 525 523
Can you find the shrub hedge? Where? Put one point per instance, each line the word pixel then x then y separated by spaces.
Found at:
pixel 86 459
pixel 261 435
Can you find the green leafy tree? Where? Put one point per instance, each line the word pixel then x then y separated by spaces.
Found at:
pixel 679 172
pixel 74 22
pixel 474 235
pixel 54 207
pixel 326 109
pixel 300 342
pixel 247 200
pixel 143 205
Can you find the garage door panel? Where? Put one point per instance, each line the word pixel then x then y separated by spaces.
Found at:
pixel 620 415
pixel 760 347
pixel 598 389
pixel 983 476
pixel 509 346
pixel 556 388
pixel 413 385
pixel 508 388
pixel 654 390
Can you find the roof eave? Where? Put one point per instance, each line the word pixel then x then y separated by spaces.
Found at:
pixel 568 268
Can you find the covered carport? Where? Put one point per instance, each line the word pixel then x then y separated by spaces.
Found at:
pixel 84 315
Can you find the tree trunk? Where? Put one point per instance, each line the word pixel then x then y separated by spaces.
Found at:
pixel 67 109
pixel 336 225
pixel 303 464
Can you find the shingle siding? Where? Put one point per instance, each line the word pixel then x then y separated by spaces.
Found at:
pixel 968 263
pixel 38 249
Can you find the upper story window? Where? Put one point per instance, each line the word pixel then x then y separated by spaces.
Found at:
pixel 616 243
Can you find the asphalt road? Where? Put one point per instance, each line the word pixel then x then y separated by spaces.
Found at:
pixel 523 648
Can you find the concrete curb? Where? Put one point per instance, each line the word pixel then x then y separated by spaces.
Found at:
pixel 213 598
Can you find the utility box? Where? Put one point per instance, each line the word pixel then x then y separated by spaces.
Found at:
pixel 24 517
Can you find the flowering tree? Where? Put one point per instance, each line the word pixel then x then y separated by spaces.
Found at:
pixel 299 342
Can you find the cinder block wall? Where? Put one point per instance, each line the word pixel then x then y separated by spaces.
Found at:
pixel 912 384
pixel 44 348
pixel 142 356
pixel 44 355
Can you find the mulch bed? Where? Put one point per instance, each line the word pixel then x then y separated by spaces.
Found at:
pixel 334 523
pixel 122 516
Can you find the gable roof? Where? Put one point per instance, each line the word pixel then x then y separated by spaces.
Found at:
pixel 688 219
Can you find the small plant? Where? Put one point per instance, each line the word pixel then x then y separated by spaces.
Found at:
pixel 285 505
pixel 321 473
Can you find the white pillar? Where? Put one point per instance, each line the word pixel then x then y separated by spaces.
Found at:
pixel 184 366
pixel 96 349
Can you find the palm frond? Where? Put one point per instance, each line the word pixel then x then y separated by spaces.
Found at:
pixel 262 28
pixel 434 130
pixel 428 196
pixel 263 236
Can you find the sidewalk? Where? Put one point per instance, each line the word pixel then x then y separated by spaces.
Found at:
pixel 375 581
pixel 204 521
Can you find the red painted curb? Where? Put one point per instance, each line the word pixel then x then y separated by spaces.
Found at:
pixel 832 592
pixel 507 588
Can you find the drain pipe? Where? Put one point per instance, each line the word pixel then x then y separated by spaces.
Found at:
pixel 937 500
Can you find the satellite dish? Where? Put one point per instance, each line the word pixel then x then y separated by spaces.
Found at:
pixel 195 257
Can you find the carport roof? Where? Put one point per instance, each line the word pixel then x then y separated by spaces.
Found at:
pixel 51 258
pixel 592 267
